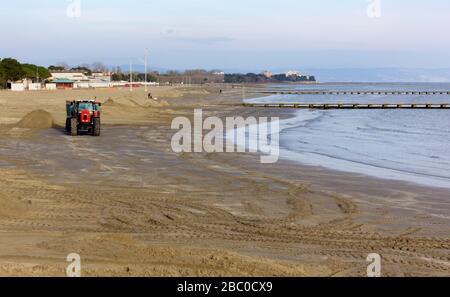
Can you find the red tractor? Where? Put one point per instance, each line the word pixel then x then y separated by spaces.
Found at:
pixel 83 117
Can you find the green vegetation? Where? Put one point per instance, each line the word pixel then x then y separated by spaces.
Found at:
pixel 199 76
pixel 34 71
pixel 196 76
pixel 137 77
pixel 84 69
pixel 12 70
pixel 56 68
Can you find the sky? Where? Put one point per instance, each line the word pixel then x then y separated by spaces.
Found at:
pixel 247 35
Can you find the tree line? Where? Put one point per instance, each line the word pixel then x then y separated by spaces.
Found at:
pixel 195 76
pixel 237 78
pixel 84 68
pixel 137 77
pixel 12 70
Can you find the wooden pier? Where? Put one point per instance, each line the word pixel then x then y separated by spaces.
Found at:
pixel 380 93
pixel 349 106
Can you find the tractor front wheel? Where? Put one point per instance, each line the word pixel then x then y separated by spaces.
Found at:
pixel 74 127
pixel 97 125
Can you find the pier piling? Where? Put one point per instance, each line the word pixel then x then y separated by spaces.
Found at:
pixel 327 106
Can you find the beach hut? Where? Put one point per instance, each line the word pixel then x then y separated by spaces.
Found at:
pixel 50 86
pixel 17 87
pixel 63 83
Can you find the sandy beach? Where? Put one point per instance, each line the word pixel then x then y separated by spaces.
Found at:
pixel 130 206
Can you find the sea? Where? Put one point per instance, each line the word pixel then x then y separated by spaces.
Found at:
pixel 395 144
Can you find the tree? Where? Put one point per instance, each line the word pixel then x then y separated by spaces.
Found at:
pixel 2 76
pixel 62 65
pixel 85 65
pixel 172 73
pixel 33 71
pixel 137 77
pixel 83 68
pixel 99 67
pixel 55 68
pixel 12 70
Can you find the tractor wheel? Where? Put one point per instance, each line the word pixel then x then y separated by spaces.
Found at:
pixel 74 127
pixel 97 126
pixel 68 126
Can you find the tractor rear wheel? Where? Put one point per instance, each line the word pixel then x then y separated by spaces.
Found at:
pixel 74 127
pixel 97 126
pixel 67 125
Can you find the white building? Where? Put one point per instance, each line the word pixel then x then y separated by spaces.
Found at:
pixel 100 77
pixel 68 74
pixel 17 87
pixel 267 74
pixel 293 73
pixel 50 86
pixel 83 81
pixel 25 84
pixel 35 87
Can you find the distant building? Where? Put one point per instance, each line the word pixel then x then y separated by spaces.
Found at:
pixel 35 86
pixel 267 74
pixel 82 80
pixel 62 84
pixel 75 76
pixel 25 84
pixel 50 86
pixel 99 77
pixel 292 73
pixel 78 76
pixel 17 87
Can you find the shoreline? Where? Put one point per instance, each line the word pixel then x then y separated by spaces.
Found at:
pixel 367 169
pixel 165 214
pixel 331 162
pixel 327 179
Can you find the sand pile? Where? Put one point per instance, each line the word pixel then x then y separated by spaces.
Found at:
pixel 156 103
pixel 36 120
pixel 109 102
pixel 119 102
pixel 135 102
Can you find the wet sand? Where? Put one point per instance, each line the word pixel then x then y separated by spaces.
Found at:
pixel 130 206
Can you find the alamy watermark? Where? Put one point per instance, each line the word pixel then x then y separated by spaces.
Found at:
pixel 74 267
pixel 73 9
pixel 374 268
pixel 212 135
pixel 374 9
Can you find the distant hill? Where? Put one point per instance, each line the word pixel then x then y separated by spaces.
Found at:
pixel 381 75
